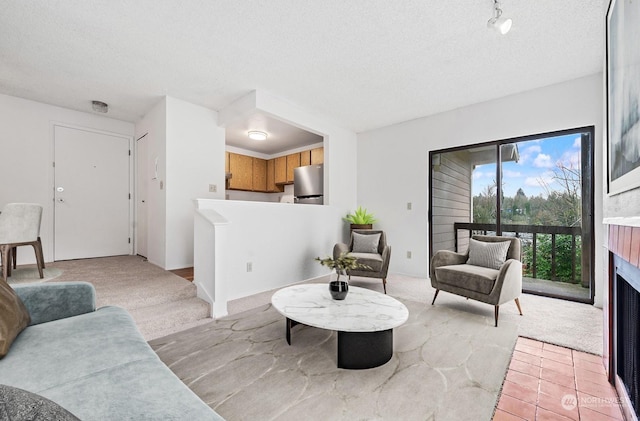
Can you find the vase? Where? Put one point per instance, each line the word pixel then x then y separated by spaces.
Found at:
pixel 339 288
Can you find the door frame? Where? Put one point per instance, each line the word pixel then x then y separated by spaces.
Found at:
pixel 136 195
pixel 52 177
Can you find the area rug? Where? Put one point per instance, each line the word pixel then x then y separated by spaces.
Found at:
pixel 27 275
pixel 447 364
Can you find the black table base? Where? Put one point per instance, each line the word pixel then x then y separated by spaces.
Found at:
pixel 359 350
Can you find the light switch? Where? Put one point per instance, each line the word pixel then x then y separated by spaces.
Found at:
pixel 408 205
pixel 213 188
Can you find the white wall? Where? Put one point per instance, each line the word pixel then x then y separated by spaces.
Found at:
pixel 153 126
pixel 393 161
pixel 280 241
pixel 195 158
pixel 26 150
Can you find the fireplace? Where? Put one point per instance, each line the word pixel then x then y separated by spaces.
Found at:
pixel 627 329
pixel 622 310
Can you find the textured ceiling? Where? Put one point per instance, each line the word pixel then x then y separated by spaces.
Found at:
pixel 363 63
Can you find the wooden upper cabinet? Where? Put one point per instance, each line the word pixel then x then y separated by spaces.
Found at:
pixel 259 175
pixel 293 161
pixel 305 158
pixel 317 156
pixel 226 162
pixel 280 170
pixel 241 168
pixel 272 187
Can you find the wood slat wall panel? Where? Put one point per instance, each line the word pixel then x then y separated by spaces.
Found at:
pixel 450 198
pixel 626 244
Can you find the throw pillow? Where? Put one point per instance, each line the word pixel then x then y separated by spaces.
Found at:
pixel 489 255
pixel 13 317
pixel 18 404
pixel 365 243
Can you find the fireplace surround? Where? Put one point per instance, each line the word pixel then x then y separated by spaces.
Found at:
pixel 622 327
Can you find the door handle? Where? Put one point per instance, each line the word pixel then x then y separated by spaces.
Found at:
pixel 60 189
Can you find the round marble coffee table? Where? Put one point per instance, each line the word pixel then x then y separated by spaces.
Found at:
pixel 364 320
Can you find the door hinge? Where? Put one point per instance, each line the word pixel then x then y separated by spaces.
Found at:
pixel 129 196
pixel 129 152
pixel 129 240
pixel 54 164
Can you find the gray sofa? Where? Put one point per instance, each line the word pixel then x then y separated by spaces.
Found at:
pixel 93 362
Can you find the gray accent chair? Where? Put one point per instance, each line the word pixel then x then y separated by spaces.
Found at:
pixel 450 272
pixel 378 262
pixel 20 226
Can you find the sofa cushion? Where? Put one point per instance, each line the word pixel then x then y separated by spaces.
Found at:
pixel 365 243
pixel 14 316
pixel 489 255
pixel 373 260
pixel 18 404
pixel 469 277
pixel 138 390
pixel 67 349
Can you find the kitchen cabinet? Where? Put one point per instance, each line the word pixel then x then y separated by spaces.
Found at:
pixel 226 163
pixel 293 161
pixel 317 156
pixel 272 187
pixel 305 158
pixel 259 175
pixel 281 170
pixel 241 168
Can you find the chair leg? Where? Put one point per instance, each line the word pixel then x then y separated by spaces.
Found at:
pixel 5 251
pixel 384 285
pixel 497 309
pixel 39 258
pixel 14 252
pixel 42 254
pixel 435 296
pixel 518 304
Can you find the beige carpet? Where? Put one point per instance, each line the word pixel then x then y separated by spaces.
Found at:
pixel 159 301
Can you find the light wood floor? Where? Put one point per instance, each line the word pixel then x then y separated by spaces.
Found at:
pixel 186 273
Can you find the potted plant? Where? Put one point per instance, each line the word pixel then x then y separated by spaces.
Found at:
pixel 360 219
pixel 341 264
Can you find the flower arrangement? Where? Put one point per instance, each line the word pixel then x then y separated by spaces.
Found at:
pixel 342 263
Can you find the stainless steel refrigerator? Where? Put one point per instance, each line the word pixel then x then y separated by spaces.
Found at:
pixel 308 184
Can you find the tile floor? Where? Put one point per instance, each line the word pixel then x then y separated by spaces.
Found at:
pixel 548 382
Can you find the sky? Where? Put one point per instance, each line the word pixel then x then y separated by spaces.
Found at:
pixel 538 159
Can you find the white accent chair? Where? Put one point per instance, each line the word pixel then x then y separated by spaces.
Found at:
pixel 20 226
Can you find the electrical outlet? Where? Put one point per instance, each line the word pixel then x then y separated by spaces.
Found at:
pixel 408 255
pixel 213 188
pixel 249 267
pixel 408 205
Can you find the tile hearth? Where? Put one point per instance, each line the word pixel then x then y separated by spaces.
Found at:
pixel 548 382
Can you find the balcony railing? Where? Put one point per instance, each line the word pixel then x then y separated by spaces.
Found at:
pixel 529 234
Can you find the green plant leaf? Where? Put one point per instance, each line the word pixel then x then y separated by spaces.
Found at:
pixel 360 217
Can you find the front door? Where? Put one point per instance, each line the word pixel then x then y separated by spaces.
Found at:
pixel 92 194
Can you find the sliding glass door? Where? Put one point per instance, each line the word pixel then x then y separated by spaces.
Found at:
pixel 538 188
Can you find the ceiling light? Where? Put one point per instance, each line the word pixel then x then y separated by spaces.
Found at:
pixel 256 135
pixel 100 106
pixel 497 22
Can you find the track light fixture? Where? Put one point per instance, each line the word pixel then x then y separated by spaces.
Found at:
pixel 497 22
